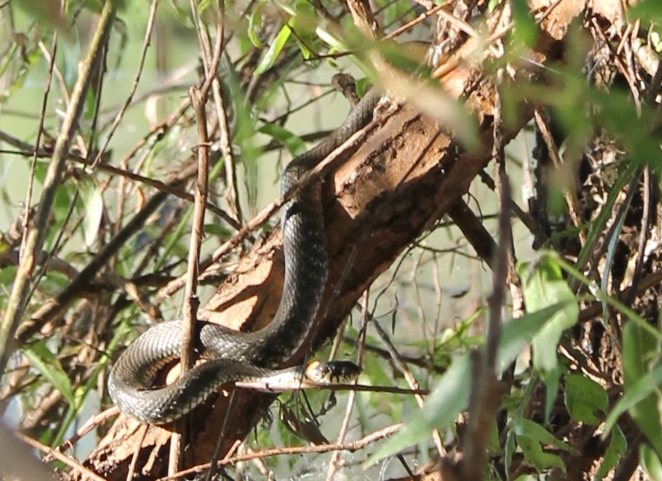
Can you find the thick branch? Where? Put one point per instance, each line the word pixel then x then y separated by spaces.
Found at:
pixel 406 175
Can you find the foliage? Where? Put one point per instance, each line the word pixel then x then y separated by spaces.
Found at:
pixel 578 357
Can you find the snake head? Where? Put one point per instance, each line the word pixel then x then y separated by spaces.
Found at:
pixel 333 372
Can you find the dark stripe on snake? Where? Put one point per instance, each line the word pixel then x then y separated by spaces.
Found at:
pixel 232 355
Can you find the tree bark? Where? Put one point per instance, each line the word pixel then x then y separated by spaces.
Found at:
pixel 404 177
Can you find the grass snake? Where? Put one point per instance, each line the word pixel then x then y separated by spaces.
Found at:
pixel 233 355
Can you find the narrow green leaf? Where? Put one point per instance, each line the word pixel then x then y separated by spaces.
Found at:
pixel 451 394
pixel 602 295
pixel 93 202
pixel 528 429
pixel 552 380
pixel 48 365
pixel 293 143
pixel 219 230
pixel 274 50
pixel 635 393
pixel 517 334
pixel 651 462
pixel 534 455
pixel 617 447
pixel 254 26
pixel 543 287
pixel 585 399
pixel 638 349
pixel 526 29
pixel 509 449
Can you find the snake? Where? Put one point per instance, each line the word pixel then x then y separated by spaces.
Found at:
pixel 233 355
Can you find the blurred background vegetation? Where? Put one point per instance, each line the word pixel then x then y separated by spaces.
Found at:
pixel 580 346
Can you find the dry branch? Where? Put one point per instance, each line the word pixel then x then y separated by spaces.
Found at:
pixel 406 175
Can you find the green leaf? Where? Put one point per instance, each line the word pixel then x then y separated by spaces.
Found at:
pixel 634 394
pixel 304 22
pixel 450 397
pixel 617 447
pixel 93 203
pixel 526 29
pixel 509 449
pixel 552 388
pixel 585 399
pixel 528 429
pixel 48 365
pixel 293 143
pixel 274 50
pixel 219 230
pixel 255 25
pixel 534 455
pixel 545 287
pixel 650 462
pixel 451 394
pixel 516 334
pixel 638 350
pixel 646 11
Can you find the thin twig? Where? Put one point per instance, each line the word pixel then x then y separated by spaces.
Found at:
pixel 57 306
pixel 270 209
pixel 72 463
pixel 333 462
pixel 134 86
pixel 409 378
pixel 351 447
pixel 224 433
pixel 136 452
pixel 36 235
pixel 299 385
pixel 643 237
pixel 483 403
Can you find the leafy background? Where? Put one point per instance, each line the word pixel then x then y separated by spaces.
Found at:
pixel 582 398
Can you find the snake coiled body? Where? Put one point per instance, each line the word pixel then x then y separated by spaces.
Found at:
pixel 233 355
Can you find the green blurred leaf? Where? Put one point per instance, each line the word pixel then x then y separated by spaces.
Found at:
pixel 182 15
pixel 93 204
pixel 650 462
pixel 304 22
pixel 219 230
pixel 638 350
pixel 48 365
pixel 585 399
pixel 516 334
pixel 47 12
pixel 528 429
pixel 639 390
pixel 274 50
pixel 551 380
pixel 542 287
pixel 526 29
pixel 293 143
pixel 646 11
pixel 451 395
pixel 511 444
pixel 617 447
pixel 254 26
pixel 204 5
pixel 535 456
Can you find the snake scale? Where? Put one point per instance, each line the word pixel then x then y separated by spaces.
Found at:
pixel 233 355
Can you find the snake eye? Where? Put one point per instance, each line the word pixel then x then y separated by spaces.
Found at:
pixel 332 372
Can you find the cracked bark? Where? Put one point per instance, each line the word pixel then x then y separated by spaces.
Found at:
pixel 402 179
